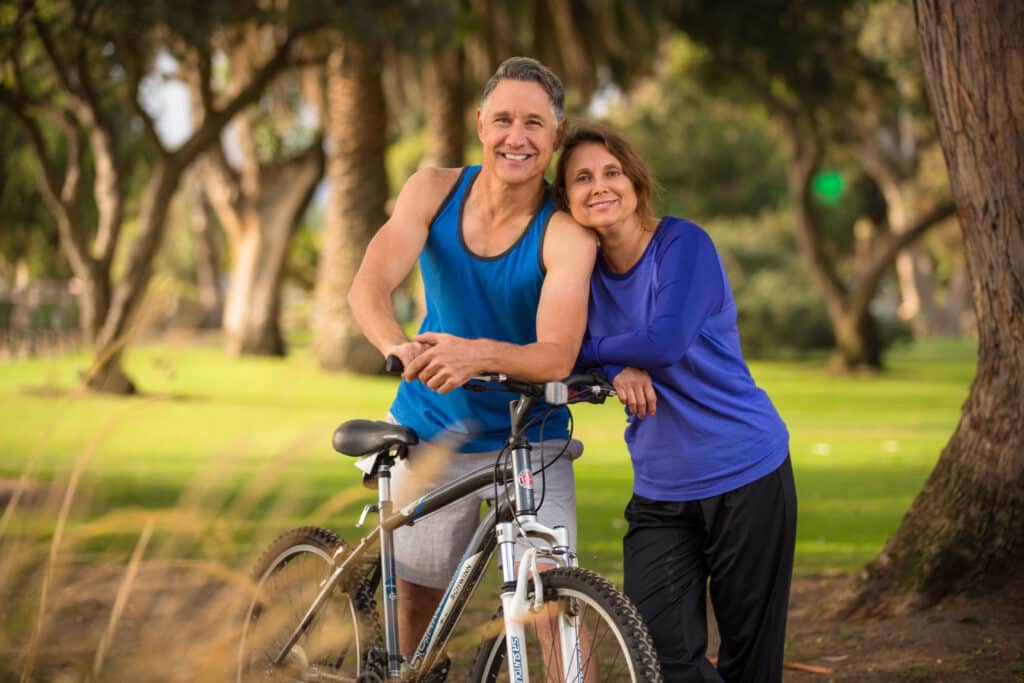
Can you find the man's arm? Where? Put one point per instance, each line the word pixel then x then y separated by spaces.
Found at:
pixel 569 253
pixel 390 256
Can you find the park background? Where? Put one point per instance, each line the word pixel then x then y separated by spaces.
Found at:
pixel 186 190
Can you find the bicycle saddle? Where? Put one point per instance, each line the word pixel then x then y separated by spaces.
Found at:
pixel 363 437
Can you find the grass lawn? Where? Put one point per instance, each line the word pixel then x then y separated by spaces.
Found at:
pixel 224 453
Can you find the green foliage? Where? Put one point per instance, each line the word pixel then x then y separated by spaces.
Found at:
pixel 778 311
pixel 709 157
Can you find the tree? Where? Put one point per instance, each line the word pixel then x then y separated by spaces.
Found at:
pixel 261 204
pixel 82 66
pixel 357 131
pixel 965 530
pixel 800 60
pixel 893 137
pixel 358 191
pixel 28 234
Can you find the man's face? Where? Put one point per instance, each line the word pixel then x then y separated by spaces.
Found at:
pixel 518 130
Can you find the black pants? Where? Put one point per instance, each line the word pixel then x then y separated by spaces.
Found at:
pixel 743 540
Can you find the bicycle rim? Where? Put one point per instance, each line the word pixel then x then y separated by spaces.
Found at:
pixel 614 645
pixel 288 577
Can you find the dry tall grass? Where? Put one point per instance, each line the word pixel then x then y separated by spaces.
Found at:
pixel 164 599
pixel 169 609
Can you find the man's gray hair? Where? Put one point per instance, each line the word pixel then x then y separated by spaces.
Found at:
pixel 529 70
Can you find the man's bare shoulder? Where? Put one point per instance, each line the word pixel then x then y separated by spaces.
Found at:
pixel 432 179
pixel 425 189
pixel 422 194
pixel 564 227
pixel 568 241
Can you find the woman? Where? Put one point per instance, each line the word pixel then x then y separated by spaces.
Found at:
pixel 713 495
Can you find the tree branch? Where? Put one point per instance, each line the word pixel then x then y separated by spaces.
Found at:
pixel 72 239
pixel 134 71
pixel 216 119
pixel 894 242
pixel 50 50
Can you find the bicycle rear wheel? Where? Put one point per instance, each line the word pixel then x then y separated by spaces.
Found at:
pixel 344 637
pixel 614 642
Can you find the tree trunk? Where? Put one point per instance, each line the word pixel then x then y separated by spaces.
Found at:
pixel 211 302
pixel 263 218
pixel 857 343
pixel 445 107
pixel 356 129
pixel 965 530
pixel 858 347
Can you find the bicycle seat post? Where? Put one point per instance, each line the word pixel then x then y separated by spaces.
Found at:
pixel 387 563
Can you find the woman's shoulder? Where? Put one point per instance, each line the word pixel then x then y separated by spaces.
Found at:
pixel 682 233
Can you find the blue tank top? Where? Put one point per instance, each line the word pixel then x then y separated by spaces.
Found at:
pixel 472 296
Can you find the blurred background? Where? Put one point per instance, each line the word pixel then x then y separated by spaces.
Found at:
pixel 222 165
pixel 187 189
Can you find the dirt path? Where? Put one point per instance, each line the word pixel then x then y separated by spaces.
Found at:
pixel 963 639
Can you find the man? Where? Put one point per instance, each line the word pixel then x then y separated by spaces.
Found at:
pixel 506 280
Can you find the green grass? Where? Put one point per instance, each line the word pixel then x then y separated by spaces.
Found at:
pixel 248 443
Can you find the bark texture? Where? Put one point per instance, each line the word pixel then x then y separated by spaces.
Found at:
pixel 445 107
pixel 965 530
pixel 260 218
pixel 357 141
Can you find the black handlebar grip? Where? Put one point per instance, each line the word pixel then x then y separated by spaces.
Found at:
pixel 393 365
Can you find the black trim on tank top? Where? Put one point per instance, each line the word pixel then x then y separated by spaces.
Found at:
pixel 448 197
pixel 462 209
pixel 540 248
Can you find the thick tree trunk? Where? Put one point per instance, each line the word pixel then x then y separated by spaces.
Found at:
pixel 857 344
pixel 356 130
pixel 263 218
pixel 858 347
pixel 444 107
pixel 250 311
pixel 965 530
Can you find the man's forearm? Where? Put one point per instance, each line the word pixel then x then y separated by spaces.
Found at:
pixel 536 362
pixel 376 317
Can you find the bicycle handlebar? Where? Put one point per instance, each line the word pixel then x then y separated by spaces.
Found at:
pixel 590 387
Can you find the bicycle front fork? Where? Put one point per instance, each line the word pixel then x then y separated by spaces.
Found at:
pixel 519 609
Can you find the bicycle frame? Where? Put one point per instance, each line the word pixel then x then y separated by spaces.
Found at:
pixel 490 534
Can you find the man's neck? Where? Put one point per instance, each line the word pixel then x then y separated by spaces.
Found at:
pixel 500 199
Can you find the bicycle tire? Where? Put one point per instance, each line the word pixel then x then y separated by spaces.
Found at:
pixel 619 647
pixel 344 641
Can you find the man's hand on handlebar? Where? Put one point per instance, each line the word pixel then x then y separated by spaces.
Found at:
pixel 406 353
pixel 446 364
pixel 589 387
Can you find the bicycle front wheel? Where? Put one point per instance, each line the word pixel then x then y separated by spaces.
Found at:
pixel 345 634
pixel 612 644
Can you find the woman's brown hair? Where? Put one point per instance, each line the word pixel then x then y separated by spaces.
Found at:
pixel 617 145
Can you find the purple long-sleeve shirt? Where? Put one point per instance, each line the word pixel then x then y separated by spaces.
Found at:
pixel 672 314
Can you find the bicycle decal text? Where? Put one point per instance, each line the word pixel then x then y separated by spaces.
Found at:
pixel 461 578
pixel 515 647
pixel 526 479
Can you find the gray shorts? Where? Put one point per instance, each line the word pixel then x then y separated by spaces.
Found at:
pixel 428 552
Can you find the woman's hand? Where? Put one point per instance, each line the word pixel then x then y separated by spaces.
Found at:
pixel 635 391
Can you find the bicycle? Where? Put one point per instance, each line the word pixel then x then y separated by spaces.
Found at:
pixel 314 612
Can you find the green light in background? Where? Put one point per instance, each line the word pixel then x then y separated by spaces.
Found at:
pixel 828 186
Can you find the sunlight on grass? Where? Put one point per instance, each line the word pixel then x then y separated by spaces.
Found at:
pixel 220 456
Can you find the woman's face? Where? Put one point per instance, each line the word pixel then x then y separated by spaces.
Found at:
pixel 600 194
